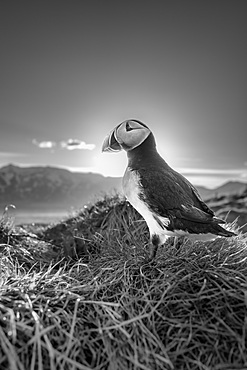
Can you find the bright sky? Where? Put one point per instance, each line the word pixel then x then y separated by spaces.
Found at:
pixel 70 71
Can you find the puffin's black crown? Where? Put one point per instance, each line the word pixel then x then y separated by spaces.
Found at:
pixel 140 123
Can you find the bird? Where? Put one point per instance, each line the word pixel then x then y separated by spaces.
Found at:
pixel 168 202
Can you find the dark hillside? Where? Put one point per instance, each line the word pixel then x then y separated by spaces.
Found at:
pixel 51 188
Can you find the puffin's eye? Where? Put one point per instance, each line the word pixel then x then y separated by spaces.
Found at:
pixel 128 127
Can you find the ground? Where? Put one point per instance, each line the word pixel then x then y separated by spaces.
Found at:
pixel 79 295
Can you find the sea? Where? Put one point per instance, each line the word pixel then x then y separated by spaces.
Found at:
pixel 40 217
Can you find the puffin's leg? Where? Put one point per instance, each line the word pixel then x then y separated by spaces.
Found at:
pixel 154 244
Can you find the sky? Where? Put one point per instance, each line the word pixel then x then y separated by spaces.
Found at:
pixel 70 71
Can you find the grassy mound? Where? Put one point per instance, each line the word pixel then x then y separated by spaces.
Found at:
pixel 110 310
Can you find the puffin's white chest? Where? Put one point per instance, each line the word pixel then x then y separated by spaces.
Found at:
pixel 132 189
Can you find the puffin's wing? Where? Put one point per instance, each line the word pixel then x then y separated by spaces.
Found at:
pixel 169 194
pixel 196 196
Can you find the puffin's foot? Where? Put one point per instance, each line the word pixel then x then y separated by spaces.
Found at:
pixel 153 247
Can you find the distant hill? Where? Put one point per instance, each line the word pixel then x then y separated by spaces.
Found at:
pixel 49 187
pixel 230 187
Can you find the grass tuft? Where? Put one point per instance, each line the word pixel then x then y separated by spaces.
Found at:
pixel 95 304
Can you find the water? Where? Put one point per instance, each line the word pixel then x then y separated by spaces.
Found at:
pixel 39 217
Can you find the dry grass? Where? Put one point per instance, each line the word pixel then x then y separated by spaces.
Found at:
pixel 110 310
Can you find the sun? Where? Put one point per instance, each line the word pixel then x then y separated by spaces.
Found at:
pixel 110 164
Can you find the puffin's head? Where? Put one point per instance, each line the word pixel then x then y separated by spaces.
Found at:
pixel 128 135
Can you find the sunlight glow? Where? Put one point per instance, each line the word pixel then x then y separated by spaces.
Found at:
pixel 110 164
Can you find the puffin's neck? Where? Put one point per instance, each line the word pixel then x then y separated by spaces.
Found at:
pixel 145 155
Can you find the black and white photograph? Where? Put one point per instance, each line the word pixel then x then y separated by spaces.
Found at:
pixel 123 185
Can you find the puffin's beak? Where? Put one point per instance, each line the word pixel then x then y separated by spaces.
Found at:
pixel 111 144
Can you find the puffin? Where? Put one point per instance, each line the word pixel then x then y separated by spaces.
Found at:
pixel 168 202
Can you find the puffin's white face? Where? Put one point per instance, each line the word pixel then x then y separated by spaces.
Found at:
pixel 128 135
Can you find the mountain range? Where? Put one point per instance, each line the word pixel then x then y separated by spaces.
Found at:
pixel 51 189
pixel 230 187
pixel 24 185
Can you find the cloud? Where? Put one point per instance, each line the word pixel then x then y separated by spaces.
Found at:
pixel 70 144
pixel 44 144
pixel 73 144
